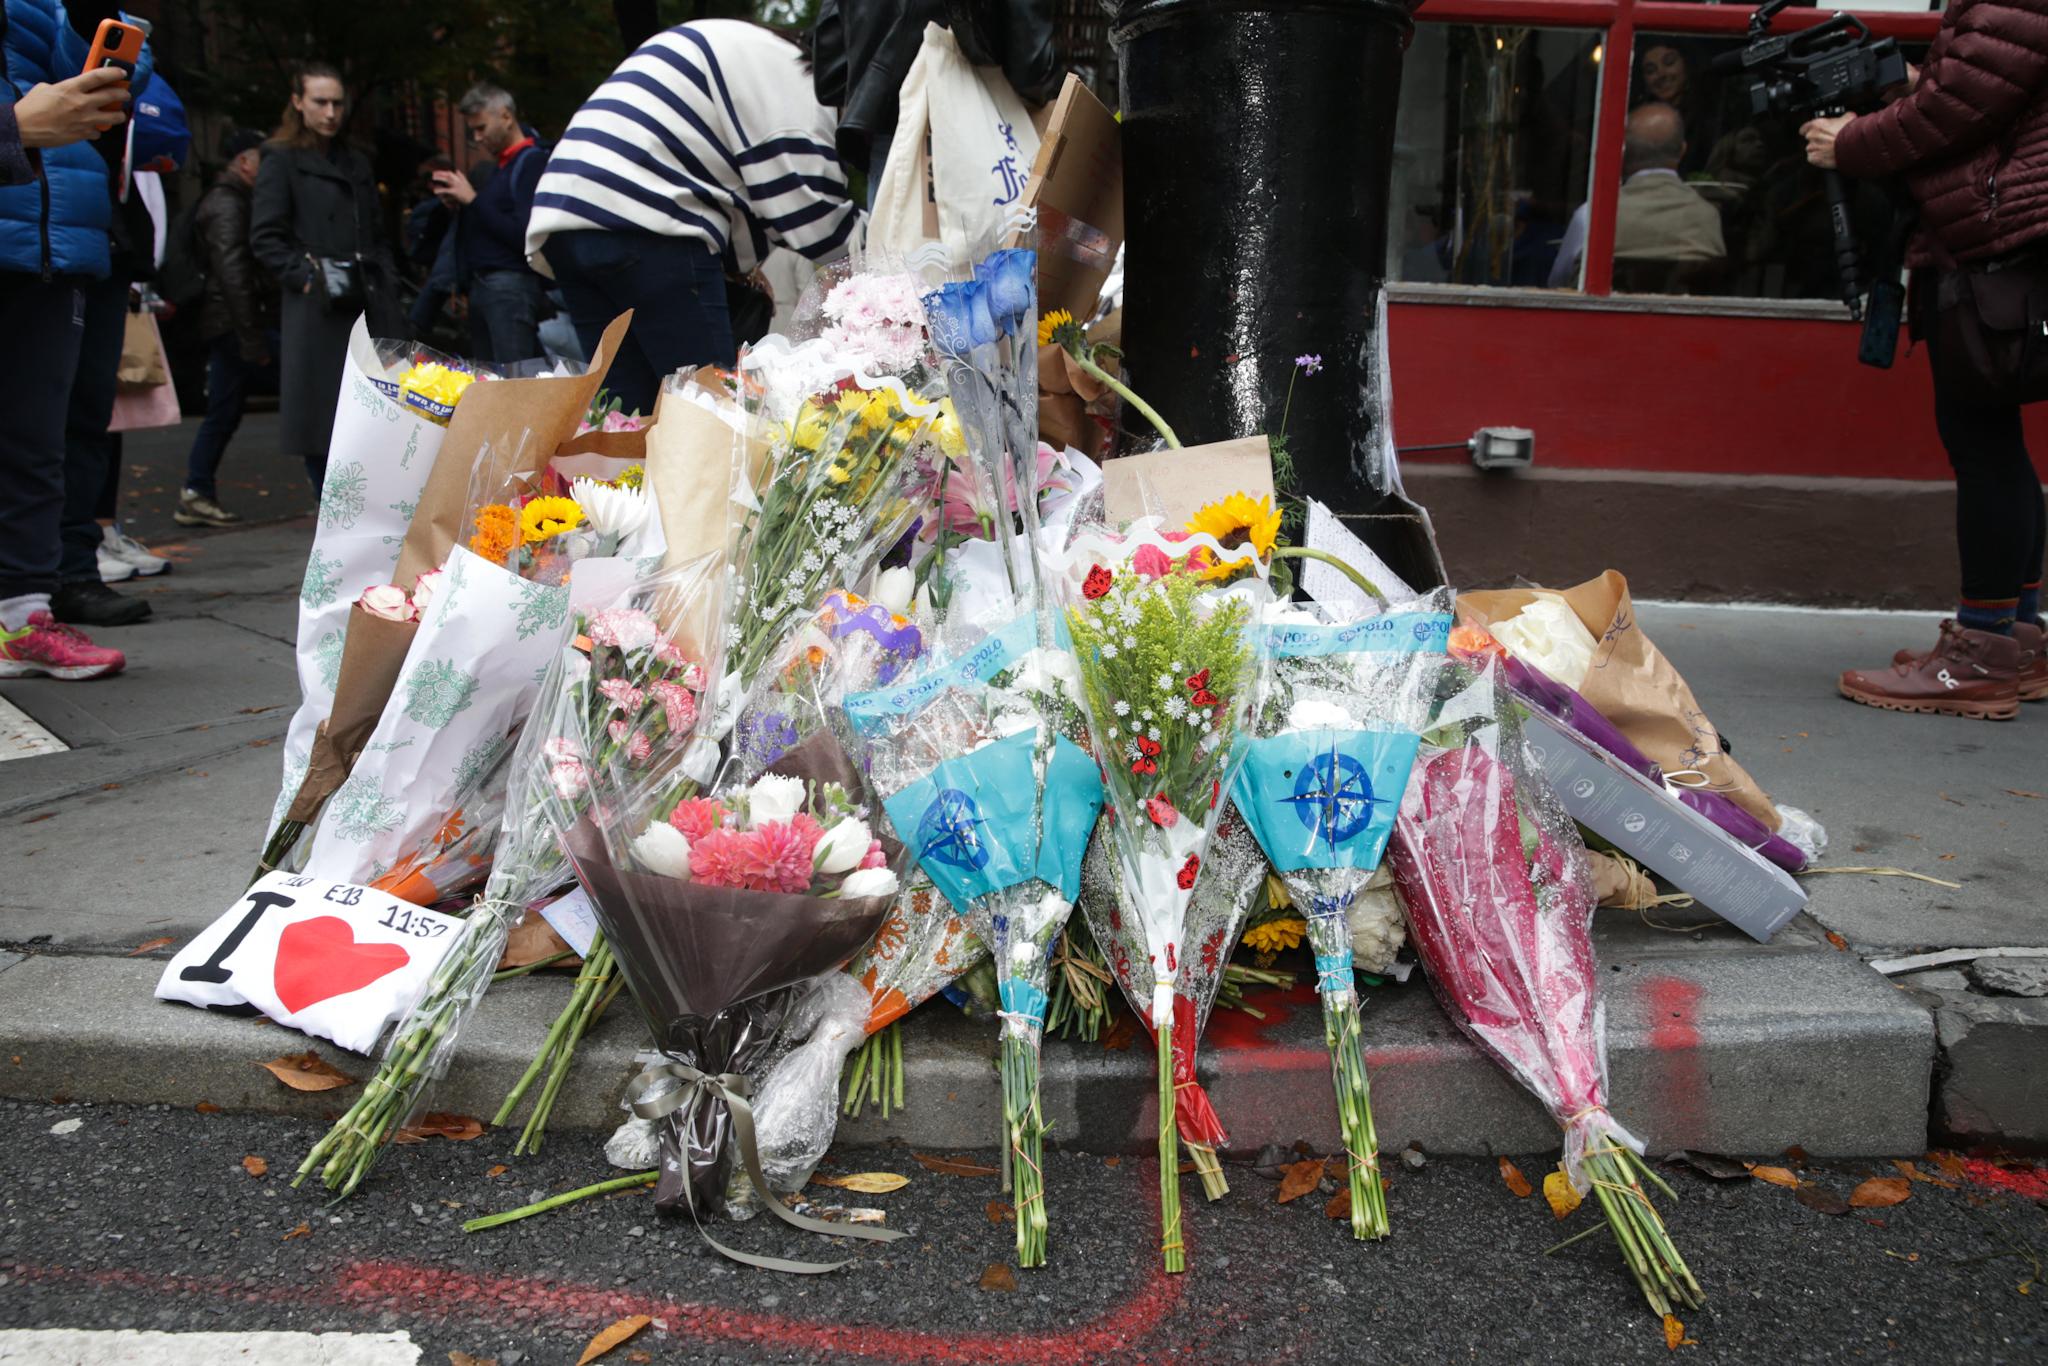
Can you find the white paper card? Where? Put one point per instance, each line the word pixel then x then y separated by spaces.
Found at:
pixel 573 918
pixel 1325 583
pixel 327 958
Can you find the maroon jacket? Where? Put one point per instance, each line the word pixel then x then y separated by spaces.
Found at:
pixel 1971 139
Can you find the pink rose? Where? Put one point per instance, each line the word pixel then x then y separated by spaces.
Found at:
pixel 424 590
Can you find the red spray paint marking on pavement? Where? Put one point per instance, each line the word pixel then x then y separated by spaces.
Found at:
pixel 2030 1181
pixel 446 1293
pixel 1675 1033
pixel 1235 1029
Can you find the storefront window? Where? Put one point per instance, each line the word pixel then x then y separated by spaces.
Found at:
pixel 1492 153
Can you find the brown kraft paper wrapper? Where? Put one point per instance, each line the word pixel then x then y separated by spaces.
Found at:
pixel 691 455
pixel 1633 685
pixel 510 419
pixel 717 970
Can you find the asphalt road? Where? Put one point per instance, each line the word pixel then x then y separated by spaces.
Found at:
pixel 147 1219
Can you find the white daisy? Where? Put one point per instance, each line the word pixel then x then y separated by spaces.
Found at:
pixel 1176 708
pixel 1109 650
pixel 1166 682
pixel 1122 708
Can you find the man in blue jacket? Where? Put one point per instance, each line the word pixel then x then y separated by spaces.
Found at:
pixel 505 301
pixel 53 242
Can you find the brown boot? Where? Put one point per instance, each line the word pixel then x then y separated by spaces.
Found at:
pixel 1968 673
pixel 2033 643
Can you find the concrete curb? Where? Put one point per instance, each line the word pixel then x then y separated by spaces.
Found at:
pixel 1748 1052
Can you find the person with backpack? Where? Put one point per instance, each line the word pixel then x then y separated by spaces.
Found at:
pixel 237 318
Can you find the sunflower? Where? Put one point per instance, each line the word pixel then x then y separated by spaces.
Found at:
pixel 548 517
pixel 1050 324
pixel 496 534
pixel 1275 935
pixel 1238 520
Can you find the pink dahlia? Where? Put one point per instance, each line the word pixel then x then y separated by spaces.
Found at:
pixel 697 817
pixel 717 859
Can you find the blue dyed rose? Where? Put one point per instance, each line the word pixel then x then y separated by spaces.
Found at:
pixel 1011 295
pixel 959 318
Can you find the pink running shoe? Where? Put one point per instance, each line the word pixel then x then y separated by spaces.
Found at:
pixel 47 646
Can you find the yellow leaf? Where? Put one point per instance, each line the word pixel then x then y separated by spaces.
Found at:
pixel 612 1337
pixel 1559 1191
pixel 254 1165
pixel 867 1183
pixel 1880 1191
pixel 1516 1182
pixel 1674 1332
pixel 1777 1176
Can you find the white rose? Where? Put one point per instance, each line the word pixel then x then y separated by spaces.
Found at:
pixel 1313 713
pixel 775 798
pixel 387 601
pixel 844 846
pixel 893 588
pixel 424 590
pixel 867 882
pixel 662 849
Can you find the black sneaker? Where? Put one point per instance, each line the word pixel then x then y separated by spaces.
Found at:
pixel 88 602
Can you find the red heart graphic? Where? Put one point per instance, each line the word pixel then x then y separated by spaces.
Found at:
pixel 319 959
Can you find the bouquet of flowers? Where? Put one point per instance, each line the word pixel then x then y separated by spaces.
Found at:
pixel 1334 743
pixel 1172 667
pixel 622 693
pixel 721 910
pixel 1500 904
pixel 922 947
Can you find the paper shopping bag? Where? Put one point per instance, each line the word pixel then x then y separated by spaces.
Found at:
pixel 1633 685
pixel 142 354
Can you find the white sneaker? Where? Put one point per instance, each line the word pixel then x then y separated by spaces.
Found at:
pixel 113 569
pixel 120 546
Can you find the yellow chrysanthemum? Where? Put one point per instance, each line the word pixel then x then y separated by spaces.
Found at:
pixel 1277 896
pixel 946 433
pixel 1275 935
pixel 838 474
pixel 873 409
pixel 1052 322
pixel 548 517
pixel 812 426
pixel 1238 520
pixel 631 477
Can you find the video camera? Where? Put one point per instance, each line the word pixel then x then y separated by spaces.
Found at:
pixel 1832 68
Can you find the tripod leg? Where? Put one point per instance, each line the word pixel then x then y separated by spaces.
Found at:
pixel 1845 245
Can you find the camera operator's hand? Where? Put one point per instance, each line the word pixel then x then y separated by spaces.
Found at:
pixel 1820 139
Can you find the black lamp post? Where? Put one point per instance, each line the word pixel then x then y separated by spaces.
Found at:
pixel 1258 144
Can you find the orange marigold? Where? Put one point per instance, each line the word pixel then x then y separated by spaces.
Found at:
pixel 497 533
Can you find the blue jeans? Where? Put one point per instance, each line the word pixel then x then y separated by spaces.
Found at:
pixel 675 284
pixel 504 315
pixel 228 378
pixel 41 324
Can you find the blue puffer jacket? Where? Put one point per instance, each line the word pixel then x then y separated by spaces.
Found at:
pixel 57 225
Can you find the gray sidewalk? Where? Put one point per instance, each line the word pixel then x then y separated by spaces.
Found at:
pixel 147 828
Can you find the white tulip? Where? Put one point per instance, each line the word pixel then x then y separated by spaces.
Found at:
pixel 844 846
pixel 775 798
pixel 662 850
pixel 867 882
pixel 893 588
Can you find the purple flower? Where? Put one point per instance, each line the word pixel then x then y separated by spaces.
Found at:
pixel 1309 364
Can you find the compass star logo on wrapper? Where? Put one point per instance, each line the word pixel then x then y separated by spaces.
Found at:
pixel 950 832
pixel 1333 797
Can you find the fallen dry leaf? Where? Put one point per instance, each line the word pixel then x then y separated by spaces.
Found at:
pixel 497 1169
pixel 255 1165
pixel 300 1232
pixel 1777 1176
pixel 2035 796
pixel 952 1166
pixel 151 947
pixel 1712 1165
pixel 867 1183
pixel 1674 1334
pixel 1000 1212
pixel 1821 1200
pixel 1516 1182
pixel 1911 1171
pixel 1120 1034
pixel 461 1358
pixel 1880 1191
pixel 454 1128
pixel 307 1071
pixel 1112 1161
pixel 1796 1155
pixel 1340 1204
pixel 1338 1168
pixel 639 1356
pixel 1841 944
pixel 999 1277
pixel 207 1107
pixel 1562 1195
pixel 1299 1178
pixel 612 1337
pixel 1949 1165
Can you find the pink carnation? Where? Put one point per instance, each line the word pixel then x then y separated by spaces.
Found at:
pixel 638 748
pixel 622 695
pixel 677 704
pixel 697 817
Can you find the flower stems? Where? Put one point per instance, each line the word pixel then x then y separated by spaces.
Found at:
pixel 1171 1248
pixel 1344 1034
pixel 1024 1149
pixel 279 848
pixel 876 1076
pixel 1616 1173
pixel 1210 1168
pixel 596 987
pixel 1123 391
pixel 510 1216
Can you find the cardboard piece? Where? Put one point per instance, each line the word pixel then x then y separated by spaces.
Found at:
pixel 1077 187
pixel 1669 838
pixel 1176 483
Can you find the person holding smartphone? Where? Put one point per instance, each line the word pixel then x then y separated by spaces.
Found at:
pixel 313 224
pixel 55 208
